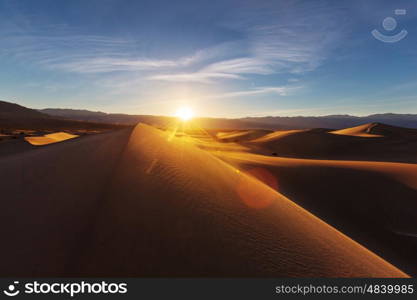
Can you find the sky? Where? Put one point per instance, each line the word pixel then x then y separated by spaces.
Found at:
pixel 221 58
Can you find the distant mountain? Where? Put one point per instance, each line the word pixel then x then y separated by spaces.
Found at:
pixel 299 122
pixel 96 116
pixel 339 121
pixel 15 116
pixel 12 110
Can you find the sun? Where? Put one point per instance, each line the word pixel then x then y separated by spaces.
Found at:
pixel 185 113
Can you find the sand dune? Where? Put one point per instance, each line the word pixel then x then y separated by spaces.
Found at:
pixel 369 142
pixel 145 204
pixel 240 135
pixel 49 138
pixel 273 136
pixel 201 208
pixel 403 173
pixel 370 201
pixel 362 131
pixel 49 197
pixel 14 146
pixel 379 130
pixel 209 143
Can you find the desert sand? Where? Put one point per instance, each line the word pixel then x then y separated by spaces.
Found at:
pixel 240 135
pixel 362 131
pixel 146 203
pixel 49 138
pixel 368 142
pixel 373 202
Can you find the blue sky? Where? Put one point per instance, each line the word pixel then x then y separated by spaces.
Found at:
pixel 222 58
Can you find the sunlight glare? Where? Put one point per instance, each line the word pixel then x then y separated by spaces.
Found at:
pixel 185 113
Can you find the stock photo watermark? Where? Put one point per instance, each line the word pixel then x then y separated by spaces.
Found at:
pixel 70 289
pixel 390 24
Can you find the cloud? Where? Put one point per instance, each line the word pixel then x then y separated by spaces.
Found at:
pixel 281 38
pixel 294 40
pixel 108 64
pixel 201 77
pixel 227 69
pixel 69 52
pixel 245 65
pixel 289 40
pixel 277 90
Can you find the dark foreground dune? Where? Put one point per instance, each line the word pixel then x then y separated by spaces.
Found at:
pixel 143 204
pixel 13 146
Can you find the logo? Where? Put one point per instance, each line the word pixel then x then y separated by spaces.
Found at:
pixel 11 289
pixel 389 25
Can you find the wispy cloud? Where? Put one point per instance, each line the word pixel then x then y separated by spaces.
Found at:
pixel 280 90
pixel 227 69
pixel 264 42
pixel 201 77
pixel 109 64
pixel 278 42
pixel 281 42
pixel 69 52
pixel 245 65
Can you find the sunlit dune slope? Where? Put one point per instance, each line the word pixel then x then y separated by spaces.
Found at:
pixel 275 135
pixel 208 143
pixel 240 135
pixel 175 210
pixel 404 173
pixel 362 131
pixel 378 130
pixel 373 202
pixel 49 138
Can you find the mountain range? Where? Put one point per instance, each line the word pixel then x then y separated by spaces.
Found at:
pixel 12 115
pixel 269 122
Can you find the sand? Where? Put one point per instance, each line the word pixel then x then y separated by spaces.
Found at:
pixel 275 135
pixel 370 201
pixel 362 131
pixel 378 130
pixel 368 142
pixel 49 197
pixel 49 138
pixel 144 203
pixel 240 135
